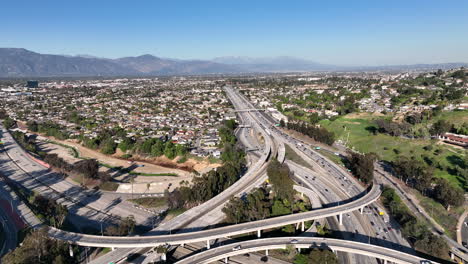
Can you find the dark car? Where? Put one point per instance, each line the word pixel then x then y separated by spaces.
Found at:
pixel 133 256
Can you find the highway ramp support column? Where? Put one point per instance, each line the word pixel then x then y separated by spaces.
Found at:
pixel 208 244
pixel 452 256
pixel 259 233
pixel 361 210
pixel 226 260
pixel 340 217
pixel 302 226
pixel 266 252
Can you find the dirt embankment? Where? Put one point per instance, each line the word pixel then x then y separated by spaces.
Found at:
pixel 150 164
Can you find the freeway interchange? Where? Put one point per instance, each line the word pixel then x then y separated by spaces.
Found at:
pixel 343 198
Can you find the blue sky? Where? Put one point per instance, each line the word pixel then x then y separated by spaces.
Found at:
pixel 336 32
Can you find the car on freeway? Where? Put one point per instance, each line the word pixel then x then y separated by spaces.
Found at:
pixel 238 247
pixel 294 241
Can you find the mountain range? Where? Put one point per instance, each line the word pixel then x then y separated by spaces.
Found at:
pixel 17 62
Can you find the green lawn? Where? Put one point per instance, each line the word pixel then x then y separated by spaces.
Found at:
pixel 293 156
pixel 447 219
pixel 150 202
pixel 355 132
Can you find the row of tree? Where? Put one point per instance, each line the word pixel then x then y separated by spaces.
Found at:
pixel 87 168
pixel 318 133
pixel 9 122
pixel 49 129
pixel 125 227
pixel 49 210
pixel 413 229
pixel 38 248
pixel 420 176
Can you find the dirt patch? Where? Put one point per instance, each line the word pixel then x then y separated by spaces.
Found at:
pixel 351 123
pixel 119 162
pixel 362 115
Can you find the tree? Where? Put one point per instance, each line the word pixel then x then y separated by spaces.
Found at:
pixel 38 248
pixel 314 118
pixel 448 194
pixel 440 127
pixel 433 245
pixel 125 227
pixel 180 150
pixel 9 123
pixel 362 165
pixel 33 126
pixel 301 259
pixel 169 150
pixel 279 208
pixel 108 146
pixel 279 176
pixel 126 144
pixel 414 172
pixel 282 124
pixel 321 256
pixel 157 149
pixel 89 168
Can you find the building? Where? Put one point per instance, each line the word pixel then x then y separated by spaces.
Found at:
pixel 32 84
pixel 460 140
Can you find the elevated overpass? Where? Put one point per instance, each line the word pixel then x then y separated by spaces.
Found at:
pixel 224 252
pixel 211 234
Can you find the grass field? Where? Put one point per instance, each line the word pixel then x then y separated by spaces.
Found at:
pixel 293 156
pixel 150 202
pixel 355 133
pixel 447 219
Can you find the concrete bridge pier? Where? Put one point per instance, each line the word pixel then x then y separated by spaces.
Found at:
pixel 452 256
pixel 340 217
pixel 302 226
pixel 226 260
pixel 259 233
pixel 208 244
pixel 112 248
pixel 266 252
pixel 361 210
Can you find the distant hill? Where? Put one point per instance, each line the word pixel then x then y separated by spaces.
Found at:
pixel 149 64
pixel 275 64
pixel 21 62
pixel 24 63
pixel 16 62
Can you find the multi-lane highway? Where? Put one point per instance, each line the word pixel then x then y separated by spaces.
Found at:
pixel 345 212
pixel 199 217
pixel 339 173
pixel 86 207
